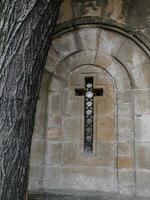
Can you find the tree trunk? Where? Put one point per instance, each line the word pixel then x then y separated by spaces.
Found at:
pixel 25 33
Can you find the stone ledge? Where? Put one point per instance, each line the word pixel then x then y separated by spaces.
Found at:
pixel 77 195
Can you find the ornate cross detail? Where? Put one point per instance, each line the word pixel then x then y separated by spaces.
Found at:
pixel 89 92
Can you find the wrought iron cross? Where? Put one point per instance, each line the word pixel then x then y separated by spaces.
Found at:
pixel 89 92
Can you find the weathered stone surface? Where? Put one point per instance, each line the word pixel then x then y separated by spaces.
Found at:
pixel 36 177
pixel 105 105
pixel 126 181
pixel 54 134
pixel 106 153
pixel 143 182
pixel 103 60
pixel 142 127
pixel 53 59
pixel 131 54
pixel 54 121
pixel 56 85
pixel 125 110
pixel 125 149
pixel 75 106
pixel 140 76
pixel 105 128
pixel 86 178
pixel 142 101
pixel 37 152
pixel 54 103
pixel 65 45
pixel 125 97
pixel 73 127
pixel 88 38
pixel 70 153
pixel 125 162
pixel 110 43
pixel 125 125
pixel 53 153
pixel 123 82
pixel 142 151
pixel 52 177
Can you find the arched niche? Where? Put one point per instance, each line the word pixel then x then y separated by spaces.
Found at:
pixel 127 66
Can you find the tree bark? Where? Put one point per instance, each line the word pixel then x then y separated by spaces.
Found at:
pixel 25 34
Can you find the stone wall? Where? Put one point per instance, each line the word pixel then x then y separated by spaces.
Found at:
pixel 119 63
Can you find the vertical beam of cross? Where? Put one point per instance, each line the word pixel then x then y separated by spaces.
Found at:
pixel 89 92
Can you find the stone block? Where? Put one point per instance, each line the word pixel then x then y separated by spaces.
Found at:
pixel 125 97
pixel 65 44
pixel 115 69
pixel 125 162
pixel 54 134
pixel 106 154
pixel 56 85
pixel 105 128
pixel 105 104
pixel 142 152
pixel 70 153
pixel 75 79
pixel 125 125
pixel 125 110
pixel 125 149
pixel 52 178
pixel 36 171
pixel 110 42
pixel 103 60
pixel 54 103
pixel 126 177
pixel 125 136
pixel 143 183
pixel 75 106
pixel 126 182
pixel 88 38
pixel 142 127
pixel 128 190
pixel 87 178
pixel 86 159
pixel 53 59
pixel 35 177
pixel 123 82
pixel 73 128
pixel 37 152
pixel 54 121
pixel 142 101
pixel 53 153
pixel 141 76
pixel 131 54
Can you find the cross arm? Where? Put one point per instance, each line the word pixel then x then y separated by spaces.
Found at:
pixel 79 92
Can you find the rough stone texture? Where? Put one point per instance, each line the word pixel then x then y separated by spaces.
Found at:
pixel 119 63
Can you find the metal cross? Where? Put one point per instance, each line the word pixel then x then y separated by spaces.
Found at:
pixel 89 92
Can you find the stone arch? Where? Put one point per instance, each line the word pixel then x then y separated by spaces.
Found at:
pixel 128 66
